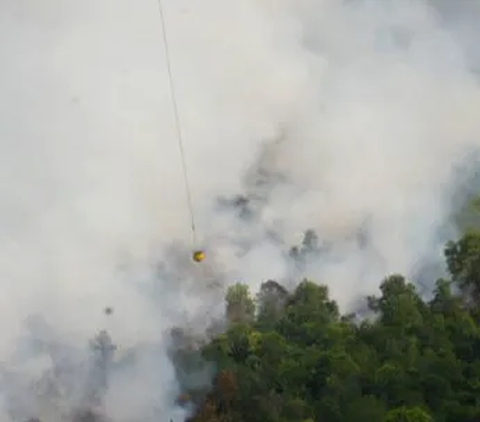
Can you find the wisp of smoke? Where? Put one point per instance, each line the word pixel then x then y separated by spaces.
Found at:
pixel 346 117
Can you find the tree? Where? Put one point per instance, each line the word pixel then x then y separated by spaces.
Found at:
pixel 364 408
pixel 463 262
pixel 240 305
pixel 399 306
pixel 308 313
pixel 271 302
pixel 406 414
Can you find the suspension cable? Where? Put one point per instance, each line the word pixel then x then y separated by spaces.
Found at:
pixel 177 121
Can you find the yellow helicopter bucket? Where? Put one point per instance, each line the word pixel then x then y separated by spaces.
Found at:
pixel 198 256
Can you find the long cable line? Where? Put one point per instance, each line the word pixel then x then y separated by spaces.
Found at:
pixel 177 121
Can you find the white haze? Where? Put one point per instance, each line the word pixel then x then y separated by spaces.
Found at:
pixel 376 102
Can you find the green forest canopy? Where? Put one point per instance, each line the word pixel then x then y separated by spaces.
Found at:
pixel 291 356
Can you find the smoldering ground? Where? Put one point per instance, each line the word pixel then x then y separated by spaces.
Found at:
pixel 366 108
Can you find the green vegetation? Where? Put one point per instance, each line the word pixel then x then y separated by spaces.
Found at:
pixel 291 356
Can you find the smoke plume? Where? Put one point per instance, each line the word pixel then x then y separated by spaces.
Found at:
pixel 347 117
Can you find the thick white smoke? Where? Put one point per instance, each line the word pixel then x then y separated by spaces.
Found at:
pixel 372 104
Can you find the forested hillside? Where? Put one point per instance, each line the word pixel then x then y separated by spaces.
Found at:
pixel 292 356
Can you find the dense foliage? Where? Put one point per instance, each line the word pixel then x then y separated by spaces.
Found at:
pixel 291 356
